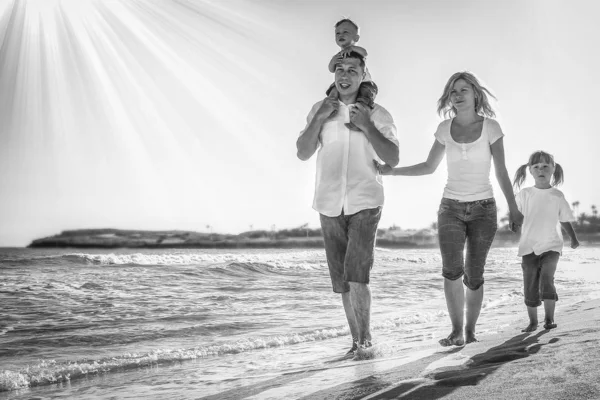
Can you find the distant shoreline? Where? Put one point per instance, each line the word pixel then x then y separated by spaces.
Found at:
pixel 136 239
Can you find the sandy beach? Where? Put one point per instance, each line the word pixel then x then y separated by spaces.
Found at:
pixel 563 363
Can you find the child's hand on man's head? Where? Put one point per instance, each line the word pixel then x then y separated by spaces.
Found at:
pixel 345 52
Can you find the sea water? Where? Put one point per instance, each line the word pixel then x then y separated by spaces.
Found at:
pixel 193 323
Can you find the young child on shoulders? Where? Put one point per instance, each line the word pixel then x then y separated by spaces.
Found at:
pixel 346 36
pixel 541 241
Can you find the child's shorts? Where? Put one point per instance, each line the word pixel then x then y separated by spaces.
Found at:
pixel 538 277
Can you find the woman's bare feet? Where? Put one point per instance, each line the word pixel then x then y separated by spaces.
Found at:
pixel 454 339
pixel 470 336
pixel 531 327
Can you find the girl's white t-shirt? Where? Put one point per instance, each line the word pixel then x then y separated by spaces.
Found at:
pixel 469 163
pixel 543 210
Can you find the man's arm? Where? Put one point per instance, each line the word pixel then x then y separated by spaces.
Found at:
pixel 386 149
pixel 308 142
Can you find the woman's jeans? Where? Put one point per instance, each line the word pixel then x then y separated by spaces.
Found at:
pixel 471 222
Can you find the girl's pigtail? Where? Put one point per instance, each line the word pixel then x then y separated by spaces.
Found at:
pixel 558 176
pixel 520 176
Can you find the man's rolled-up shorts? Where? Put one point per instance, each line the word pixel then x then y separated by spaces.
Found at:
pixel 350 246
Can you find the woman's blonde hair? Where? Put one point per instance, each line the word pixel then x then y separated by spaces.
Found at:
pixel 539 157
pixel 482 104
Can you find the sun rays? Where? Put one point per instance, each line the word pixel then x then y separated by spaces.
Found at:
pixel 125 95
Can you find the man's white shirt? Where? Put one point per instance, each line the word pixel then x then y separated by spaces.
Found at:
pixel 346 178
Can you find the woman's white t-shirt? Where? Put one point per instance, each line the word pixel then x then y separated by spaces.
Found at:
pixel 469 163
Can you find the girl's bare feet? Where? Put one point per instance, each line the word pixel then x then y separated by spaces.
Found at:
pixel 549 324
pixel 531 327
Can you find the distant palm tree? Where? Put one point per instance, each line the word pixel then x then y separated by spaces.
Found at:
pixel 582 218
pixel 305 227
pixel 575 205
pixel 594 211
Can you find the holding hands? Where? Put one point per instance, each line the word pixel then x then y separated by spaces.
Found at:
pixel 383 169
pixel 516 220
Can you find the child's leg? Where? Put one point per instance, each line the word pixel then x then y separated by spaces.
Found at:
pixel 366 96
pixel 549 318
pixel 366 93
pixel 549 261
pixel 531 288
pixel 533 320
pixel 331 91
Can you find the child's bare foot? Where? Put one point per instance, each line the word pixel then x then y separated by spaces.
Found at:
pixel 471 337
pixel 454 339
pixel 549 324
pixel 351 126
pixel 531 327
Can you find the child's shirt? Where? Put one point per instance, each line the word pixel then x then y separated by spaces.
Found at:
pixel 543 210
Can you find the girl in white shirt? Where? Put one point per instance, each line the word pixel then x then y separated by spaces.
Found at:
pixel 470 139
pixel 541 240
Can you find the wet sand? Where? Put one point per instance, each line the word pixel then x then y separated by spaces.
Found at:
pixel 562 363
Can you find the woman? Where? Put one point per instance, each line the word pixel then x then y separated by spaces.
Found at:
pixel 470 139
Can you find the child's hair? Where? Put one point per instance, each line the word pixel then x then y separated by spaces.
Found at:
pixel 341 21
pixel 482 104
pixel 536 158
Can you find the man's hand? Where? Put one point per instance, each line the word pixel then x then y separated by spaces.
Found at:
pixel 329 106
pixel 360 116
pixel 383 169
pixel 574 243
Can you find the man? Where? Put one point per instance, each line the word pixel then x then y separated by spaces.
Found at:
pixel 349 190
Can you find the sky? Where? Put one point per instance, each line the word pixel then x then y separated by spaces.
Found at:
pixel 183 114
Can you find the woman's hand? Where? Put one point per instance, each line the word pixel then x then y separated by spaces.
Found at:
pixel 516 220
pixel 383 169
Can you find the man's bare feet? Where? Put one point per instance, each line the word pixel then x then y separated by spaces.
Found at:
pixel 549 324
pixel 531 327
pixel 353 348
pixel 470 336
pixel 454 339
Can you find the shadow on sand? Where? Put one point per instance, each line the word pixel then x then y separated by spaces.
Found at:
pixel 441 382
